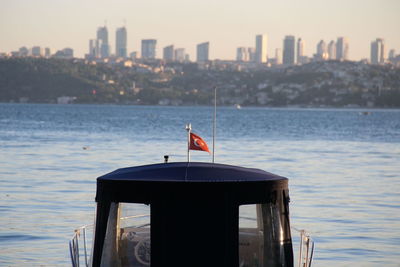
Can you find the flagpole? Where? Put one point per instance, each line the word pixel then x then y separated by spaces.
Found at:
pixel 214 123
pixel 188 129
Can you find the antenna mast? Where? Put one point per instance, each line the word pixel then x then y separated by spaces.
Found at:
pixel 214 123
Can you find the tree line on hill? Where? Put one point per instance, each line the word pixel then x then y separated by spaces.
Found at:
pixel 41 80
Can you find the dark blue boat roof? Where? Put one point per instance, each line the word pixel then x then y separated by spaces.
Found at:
pixel 190 172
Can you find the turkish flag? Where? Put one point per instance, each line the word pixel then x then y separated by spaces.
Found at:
pixel 197 143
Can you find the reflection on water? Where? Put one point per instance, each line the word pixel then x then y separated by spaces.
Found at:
pixel 343 170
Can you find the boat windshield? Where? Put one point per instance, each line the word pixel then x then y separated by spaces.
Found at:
pixel 264 235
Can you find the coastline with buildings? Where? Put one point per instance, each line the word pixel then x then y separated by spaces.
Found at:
pixel 291 52
pixel 328 83
pixel 255 78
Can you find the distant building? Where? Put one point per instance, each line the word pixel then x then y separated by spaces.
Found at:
pixel 378 51
pixel 392 54
pixel 187 58
pixel 121 39
pixel 37 51
pixel 23 51
pixel 133 55
pixel 261 48
pixel 102 36
pixel 300 51
pixel 242 54
pixel 180 55
pixel 66 53
pixel 149 48
pixel 168 53
pixel 342 48
pixel 321 51
pixel 94 48
pixel 252 54
pixel 47 52
pixel 203 52
pixel 278 56
pixel 289 50
pixel 332 50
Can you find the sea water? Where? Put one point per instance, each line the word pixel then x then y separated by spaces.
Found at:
pixel 343 168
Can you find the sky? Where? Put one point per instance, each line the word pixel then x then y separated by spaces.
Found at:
pixel 185 23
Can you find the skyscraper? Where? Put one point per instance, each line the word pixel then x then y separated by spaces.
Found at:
pixel 168 53
pixel 300 51
pixel 202 52
pixel 121 43
pixel 179 54
pixel 242 54
pixel 332 50
pixel 342 48
pixel 102 35
pixel 261 48
pixel 149 48
pixel 252 54
pixel 94 48
pixel 378 51
pixel 321 51
pixel 289 50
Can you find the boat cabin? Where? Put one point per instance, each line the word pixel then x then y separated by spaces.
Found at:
pixel 192 214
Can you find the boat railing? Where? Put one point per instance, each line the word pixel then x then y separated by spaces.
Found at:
pixel 305 254
pixel 306 248
pixel 74 248
pixel 78 245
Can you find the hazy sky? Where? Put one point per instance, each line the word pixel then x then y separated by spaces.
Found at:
pixel 225 24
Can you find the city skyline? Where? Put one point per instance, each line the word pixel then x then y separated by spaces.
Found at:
pixel 226 25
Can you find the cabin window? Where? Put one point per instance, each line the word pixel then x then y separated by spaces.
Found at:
pixel 250 236
pixel 127 241
pixel 264 233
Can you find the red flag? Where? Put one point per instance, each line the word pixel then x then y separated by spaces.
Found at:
pixel 197 143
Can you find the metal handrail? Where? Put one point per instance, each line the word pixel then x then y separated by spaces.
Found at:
pixel 306 250
pixel 74 242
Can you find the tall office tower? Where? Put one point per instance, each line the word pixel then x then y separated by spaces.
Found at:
pixel 378 51
pixel 94 48
pixel 203 51
pixel 321 51
pixel 289 50
pixel 149 48
pixel 102 36
pixel 342 48
pixel 121 43
pixel 168 53
pixel 332 50
pixel 278 56
pixel 321 48
pixel 180 54
pixel 261 48
pixel 242 54
pixel 300 51
pixel 251 51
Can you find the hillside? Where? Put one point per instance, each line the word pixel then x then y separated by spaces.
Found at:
pixel 328 83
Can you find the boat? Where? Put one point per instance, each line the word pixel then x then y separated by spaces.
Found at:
pixel 190 214
pixel 237 106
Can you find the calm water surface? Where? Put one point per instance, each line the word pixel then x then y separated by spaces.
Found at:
pixel 343 167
